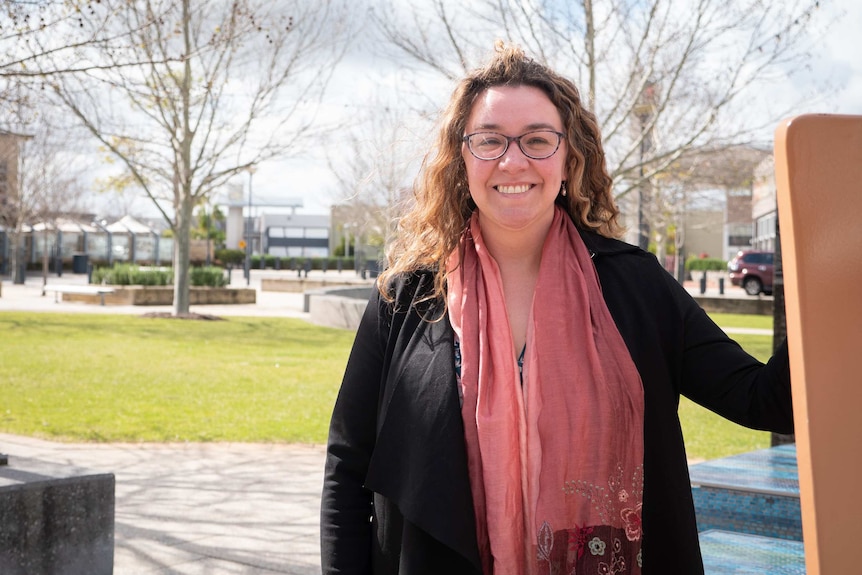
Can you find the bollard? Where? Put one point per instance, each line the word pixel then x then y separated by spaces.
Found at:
pixel 720 286
pixel 89 272
pixel 277 264
pixel 703 284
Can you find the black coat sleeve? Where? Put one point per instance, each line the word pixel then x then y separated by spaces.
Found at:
pixel 346 506
pixel 719 375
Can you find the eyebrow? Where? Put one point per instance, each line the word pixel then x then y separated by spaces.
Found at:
pixel 529 127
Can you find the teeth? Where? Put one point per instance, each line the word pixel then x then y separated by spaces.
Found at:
pixel 513 189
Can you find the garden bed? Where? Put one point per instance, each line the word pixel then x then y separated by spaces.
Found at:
pixel 164 295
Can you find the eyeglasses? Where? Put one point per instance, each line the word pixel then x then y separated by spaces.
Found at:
pixel 537 145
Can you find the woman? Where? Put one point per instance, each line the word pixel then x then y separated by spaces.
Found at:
pixel 510 403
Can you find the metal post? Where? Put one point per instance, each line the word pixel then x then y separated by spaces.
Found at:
pixel 248 234
pixel 207 228
pixel 58 261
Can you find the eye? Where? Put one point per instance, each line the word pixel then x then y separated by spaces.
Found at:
pixel 487 141
pixel 540 140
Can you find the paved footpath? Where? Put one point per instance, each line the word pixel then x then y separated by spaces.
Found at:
pixel 202 508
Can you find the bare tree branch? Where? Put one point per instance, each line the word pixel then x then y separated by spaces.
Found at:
pixel 219 88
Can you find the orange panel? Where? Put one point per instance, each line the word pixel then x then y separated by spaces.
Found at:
pixel 818 165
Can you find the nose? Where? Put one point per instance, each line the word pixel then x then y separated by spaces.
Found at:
pixel 514 159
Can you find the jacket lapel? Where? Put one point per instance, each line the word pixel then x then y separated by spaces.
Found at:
pixel 420 460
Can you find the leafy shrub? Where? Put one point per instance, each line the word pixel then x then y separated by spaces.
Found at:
pixel 207 276
pixel 705 264
pixel 129 274
pixel 230 257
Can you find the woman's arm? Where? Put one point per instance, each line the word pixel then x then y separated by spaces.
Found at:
pixel 721 376
pixel 345 515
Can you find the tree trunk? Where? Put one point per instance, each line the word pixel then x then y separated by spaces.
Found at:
pixel 182 256
pixel 183 182
pixel 16 257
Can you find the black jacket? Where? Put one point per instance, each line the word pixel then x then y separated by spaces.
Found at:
pixel 396 496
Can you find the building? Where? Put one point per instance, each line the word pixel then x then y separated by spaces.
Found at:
pixel 708 198
pixel 295 235
pixel 764 210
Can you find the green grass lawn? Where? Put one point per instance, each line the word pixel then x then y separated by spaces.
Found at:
pixel 128 378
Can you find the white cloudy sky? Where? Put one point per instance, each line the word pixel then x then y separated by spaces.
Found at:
pixel 834 75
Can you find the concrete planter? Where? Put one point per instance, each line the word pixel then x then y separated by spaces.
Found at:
pixel 301 285
pixel 164 295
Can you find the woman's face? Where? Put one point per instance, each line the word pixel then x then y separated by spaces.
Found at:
pixel 514 193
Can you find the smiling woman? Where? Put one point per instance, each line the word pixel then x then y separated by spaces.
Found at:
pixel 514 384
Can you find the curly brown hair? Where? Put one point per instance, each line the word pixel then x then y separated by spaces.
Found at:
pixel 441 204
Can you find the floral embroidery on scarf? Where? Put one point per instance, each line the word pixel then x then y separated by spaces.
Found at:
pixel 610 548
pixel 578 540
pixel 591 550
pixel 614 502
pixel 546 542
pixel 632 521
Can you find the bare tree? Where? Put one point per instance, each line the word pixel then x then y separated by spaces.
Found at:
pixel 43 181
pixel 383 152
pixel 48 37
pixel 665 78
pixel 191 93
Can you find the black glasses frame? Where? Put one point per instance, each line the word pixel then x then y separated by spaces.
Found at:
pixel 509 140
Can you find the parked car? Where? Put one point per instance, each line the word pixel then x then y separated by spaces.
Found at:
pixel 753 271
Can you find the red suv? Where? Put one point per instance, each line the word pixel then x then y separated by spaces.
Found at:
pixel 753 271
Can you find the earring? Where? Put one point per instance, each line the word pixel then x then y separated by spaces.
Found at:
pixel 563 190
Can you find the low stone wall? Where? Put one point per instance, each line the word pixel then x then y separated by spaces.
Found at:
pixel 55 519
pixel 300 285
pixel 164 295
pixel 751 305
pixel 337 307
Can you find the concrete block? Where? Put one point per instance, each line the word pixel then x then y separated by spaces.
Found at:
pixel 55 519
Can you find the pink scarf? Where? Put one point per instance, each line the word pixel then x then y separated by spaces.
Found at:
pixel 556 464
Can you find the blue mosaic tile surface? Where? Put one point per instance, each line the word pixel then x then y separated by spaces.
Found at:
pixel 771 471
pixel 755 513
pixel 727 553
pixel 755 493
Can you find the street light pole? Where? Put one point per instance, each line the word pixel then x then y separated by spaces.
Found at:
pixel 248 234
pixel 207 229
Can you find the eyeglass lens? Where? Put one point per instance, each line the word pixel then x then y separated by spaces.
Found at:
pixel 537 145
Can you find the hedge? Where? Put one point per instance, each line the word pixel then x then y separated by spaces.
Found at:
pixel 705 264
pixel 128 274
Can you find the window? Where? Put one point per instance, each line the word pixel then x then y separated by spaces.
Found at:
pixel 320 233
